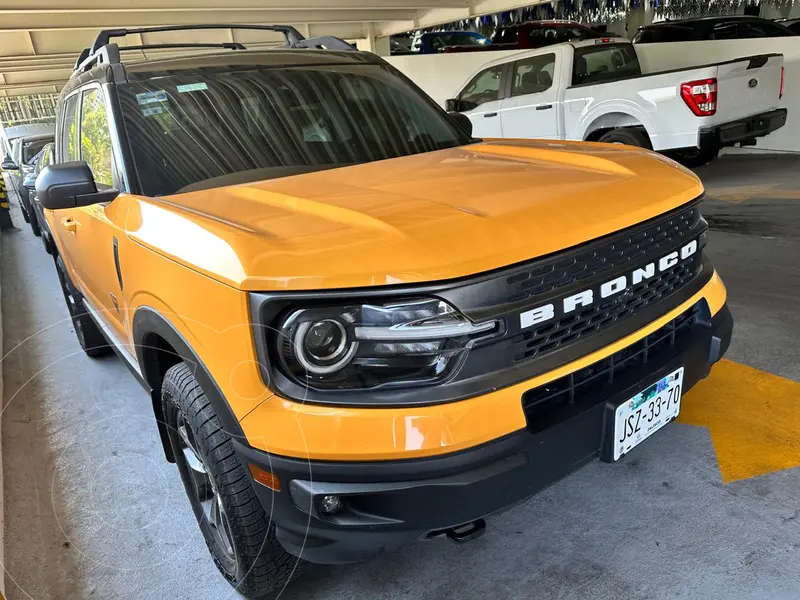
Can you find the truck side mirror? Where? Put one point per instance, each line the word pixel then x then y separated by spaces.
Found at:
pixel 69 185
pixel 451 105
pixel 462 121
pixel 9 164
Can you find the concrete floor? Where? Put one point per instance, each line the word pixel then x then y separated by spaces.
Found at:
pixel 92 511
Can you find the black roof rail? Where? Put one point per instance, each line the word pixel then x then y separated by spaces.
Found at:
pixel 327 42
pixel 104 37
pixel 223 45
pixel 104 51
pixel 85 53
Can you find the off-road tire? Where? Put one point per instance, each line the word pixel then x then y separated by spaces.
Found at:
pixel 628 136
pixel 88 333
pixel 260 565
pixel 35 228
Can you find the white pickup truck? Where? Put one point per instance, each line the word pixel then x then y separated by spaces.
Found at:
pixel 595 90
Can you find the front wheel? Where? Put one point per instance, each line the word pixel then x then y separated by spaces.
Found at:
pixel 236 528
pixel 89 335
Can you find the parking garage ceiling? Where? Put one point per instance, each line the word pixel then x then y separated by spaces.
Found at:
pixel 40 39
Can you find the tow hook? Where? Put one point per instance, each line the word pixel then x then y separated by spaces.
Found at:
pixel 466 533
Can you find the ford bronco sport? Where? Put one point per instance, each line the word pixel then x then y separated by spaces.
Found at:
pixel 358 325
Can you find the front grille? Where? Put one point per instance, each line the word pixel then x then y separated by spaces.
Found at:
pixel 551 403
pixel 631 247
pixel 617 254
pixel 550 336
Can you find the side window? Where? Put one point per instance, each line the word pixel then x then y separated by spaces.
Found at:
pixel 756 29
pixel 726 31
pixel 533 75
pixel 46 159
pixel 95 137
pixel 70 149
pixel 484 87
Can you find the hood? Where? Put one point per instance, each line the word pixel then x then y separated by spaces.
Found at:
pixel 421 218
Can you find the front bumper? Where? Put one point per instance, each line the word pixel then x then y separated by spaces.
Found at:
pixel 744 130
pixel 390 503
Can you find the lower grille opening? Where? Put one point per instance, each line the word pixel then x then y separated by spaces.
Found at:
pixel 558 400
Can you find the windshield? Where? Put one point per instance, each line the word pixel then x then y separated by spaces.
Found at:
pixel 200 129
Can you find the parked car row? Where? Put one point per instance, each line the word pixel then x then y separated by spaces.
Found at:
pixel 538 34
pixel 29 154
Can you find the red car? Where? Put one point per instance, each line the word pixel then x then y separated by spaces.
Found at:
pixel 534 34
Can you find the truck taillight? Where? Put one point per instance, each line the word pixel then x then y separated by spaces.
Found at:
pixel 780 93
pixel 700 96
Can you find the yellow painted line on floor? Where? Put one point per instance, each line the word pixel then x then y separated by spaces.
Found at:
pixel 753 418
pixel 741 193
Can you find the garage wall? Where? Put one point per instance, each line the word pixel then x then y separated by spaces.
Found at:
pixel 442 75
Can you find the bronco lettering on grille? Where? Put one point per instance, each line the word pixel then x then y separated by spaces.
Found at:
pixel 618 285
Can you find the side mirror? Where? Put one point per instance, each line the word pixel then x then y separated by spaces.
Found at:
pixel 462 121
pixel 69 185
pixel 9 164
pixel 451 105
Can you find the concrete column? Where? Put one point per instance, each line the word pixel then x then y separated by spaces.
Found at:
pixel 376 45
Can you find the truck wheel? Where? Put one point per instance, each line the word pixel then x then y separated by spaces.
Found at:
pixel 236 527
pixel 696 157
pixel 89 335
pixel 626 135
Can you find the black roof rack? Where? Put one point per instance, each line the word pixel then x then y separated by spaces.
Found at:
pixel 104 37
pixel 104 51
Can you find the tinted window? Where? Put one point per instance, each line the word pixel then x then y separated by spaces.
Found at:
pixel 96 137
pixel 505 35
pixel 533 75
pixel 759 29
pixel 70 149
pixel 483 88
pixel 604 62
pixel 31 148
pixel 725 31
pixel 546 36
pixel 203 129
pixel 46 158
pixel 460 38
pixel 794 26
pixel 662 34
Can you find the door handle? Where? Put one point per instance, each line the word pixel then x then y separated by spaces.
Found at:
pixel 487 115
pixel 544 107
pixel 69 224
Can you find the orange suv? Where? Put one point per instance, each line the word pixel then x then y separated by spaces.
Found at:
pixel 359 325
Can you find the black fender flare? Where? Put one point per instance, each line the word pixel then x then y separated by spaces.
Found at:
pixel 146 322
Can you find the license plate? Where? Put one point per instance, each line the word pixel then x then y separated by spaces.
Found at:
pixel 647 412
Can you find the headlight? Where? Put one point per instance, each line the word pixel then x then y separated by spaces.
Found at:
pixel 363 346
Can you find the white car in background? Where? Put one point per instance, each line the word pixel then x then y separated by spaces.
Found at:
pixel 595 90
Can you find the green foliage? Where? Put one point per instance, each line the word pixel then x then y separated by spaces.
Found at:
pixel 95 137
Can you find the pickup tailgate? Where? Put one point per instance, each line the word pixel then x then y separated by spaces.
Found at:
pixel 748 86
